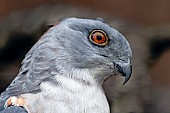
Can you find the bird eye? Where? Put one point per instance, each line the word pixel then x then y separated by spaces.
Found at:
pixel 98 37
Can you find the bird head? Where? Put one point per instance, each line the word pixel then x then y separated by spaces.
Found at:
pixel 93 45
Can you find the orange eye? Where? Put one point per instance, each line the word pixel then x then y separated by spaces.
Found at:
pixel 98 37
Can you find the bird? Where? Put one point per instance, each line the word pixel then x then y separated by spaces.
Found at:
pixel 65 69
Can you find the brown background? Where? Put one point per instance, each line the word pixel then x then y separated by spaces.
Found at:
pixel 143 22
pixel 139 11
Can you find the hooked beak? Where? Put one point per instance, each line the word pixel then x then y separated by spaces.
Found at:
pixel 125 71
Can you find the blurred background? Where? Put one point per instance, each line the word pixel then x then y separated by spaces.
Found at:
pixel 145 24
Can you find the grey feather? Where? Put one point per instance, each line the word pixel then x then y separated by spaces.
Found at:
pixel 14 109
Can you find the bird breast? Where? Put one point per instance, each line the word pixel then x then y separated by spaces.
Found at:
pixel 71 96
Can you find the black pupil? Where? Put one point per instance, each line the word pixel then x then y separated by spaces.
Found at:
pixel 99 37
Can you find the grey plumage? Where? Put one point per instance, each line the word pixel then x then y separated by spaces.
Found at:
pixel 65 53
pixel 14 109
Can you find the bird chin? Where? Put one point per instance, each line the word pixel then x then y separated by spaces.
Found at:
pixel 113 74
pixel 109 77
